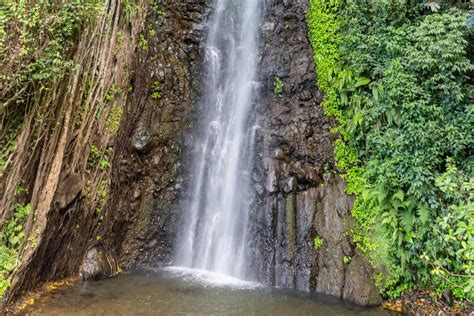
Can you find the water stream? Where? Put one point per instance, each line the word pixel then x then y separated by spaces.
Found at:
pixel 216 216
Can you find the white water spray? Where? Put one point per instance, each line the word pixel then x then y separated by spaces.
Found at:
pixel 216 219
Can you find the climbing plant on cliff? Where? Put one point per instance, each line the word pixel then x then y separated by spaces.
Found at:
pixel 64 84
pixel 398 79
pixel 36 44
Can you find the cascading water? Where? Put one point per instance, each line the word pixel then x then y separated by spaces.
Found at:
pixel 215 228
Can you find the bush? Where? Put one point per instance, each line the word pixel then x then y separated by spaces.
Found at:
pixel 11 238
pixel 397 80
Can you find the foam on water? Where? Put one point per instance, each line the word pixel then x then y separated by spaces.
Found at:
pixel 209 279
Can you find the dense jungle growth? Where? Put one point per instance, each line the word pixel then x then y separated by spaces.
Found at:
pixel 398 77
pixel 63 74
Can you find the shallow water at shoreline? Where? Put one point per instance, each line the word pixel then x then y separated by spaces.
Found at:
pixel 180 291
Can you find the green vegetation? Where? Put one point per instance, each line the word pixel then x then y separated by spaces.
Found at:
pixel 142 43
pixel 113 92
pixel 99 159
pixel 113 120
pixel 130 10
pixel 318 242
pixel 155 91
pixel 11 239
pixel 36 39
pixel 346 259
pixel 38 43
pixel 277 86
pixel 155 8
pixel 7 146
pixel 396 75
pixel 102 196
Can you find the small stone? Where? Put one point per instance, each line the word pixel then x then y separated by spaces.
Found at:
pixel 319 97
pixel 152 244
pixel 136 194
pixel 305 95
pixel 448 297
pixel 297 170
pixel 142 140
pixel 259 189
pixel 268 26
pixel 156 160
pixel 289 185
pixel 257 176
pixel 408 308
pixel 97 264
pixel 280 154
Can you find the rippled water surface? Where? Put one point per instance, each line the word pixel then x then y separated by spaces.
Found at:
pixel 178 291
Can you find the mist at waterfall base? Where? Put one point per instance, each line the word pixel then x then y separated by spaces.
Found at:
pixel 215 227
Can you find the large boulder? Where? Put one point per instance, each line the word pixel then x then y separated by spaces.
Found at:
pixel 68 189
pixel 97 264
pixel 358 288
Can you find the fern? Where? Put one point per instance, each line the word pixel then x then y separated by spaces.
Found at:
pixel 407 221
pixel 399 195
pixel 424 214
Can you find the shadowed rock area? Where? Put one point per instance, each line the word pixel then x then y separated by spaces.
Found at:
pixel 297 196
pixel 148 178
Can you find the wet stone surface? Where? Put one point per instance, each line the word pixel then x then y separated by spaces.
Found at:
pixel 302 198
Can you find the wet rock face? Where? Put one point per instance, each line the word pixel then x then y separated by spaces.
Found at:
pixel 357 286
pixel 296 197
pixel 97 264
pixel 149 164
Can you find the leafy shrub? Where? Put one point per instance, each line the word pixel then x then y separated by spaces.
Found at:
pixel 396 76
pixel 155 91
pixel 36 39
pixel 11 238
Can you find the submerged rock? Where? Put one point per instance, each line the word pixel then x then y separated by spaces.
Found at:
pixel 97 264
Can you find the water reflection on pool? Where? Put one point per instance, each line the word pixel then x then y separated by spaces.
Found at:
pixel 178 291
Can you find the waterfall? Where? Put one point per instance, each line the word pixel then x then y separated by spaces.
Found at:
pixel 214 235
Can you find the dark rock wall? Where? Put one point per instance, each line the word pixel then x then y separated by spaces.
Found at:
pixel 297 197
pixel 149 164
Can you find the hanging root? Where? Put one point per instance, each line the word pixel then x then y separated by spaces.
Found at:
pixel 56 152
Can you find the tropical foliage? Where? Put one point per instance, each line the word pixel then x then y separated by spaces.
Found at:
pixel 398 79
